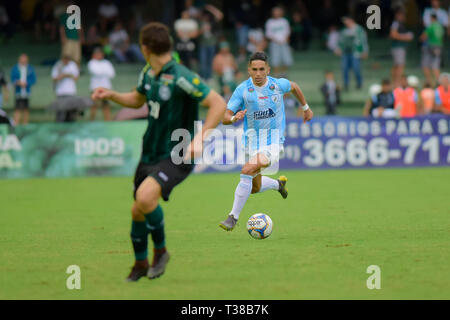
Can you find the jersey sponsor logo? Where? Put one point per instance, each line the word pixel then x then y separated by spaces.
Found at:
pixel 251 89
pixel 275 98
pixel 265 114
pixel 167 78
pixel 196 81
pixel 165 93
pixel 263 98
pixel 185 85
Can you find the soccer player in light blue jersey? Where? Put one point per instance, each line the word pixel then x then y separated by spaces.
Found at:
pixel 259 102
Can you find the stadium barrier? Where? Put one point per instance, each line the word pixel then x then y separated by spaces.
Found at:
pixel 113 148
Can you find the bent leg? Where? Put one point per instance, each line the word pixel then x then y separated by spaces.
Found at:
pixel 250 171
pixel 147 217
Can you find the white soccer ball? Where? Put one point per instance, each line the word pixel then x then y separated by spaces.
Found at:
pixel 259 226
pixel 413 81
pixel 375 89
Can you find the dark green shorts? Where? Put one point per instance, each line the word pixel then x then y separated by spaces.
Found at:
pixel 165 172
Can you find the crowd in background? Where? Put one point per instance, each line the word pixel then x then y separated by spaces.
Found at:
pixel 201 43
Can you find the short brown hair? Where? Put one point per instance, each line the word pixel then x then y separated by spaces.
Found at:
pixel 156 37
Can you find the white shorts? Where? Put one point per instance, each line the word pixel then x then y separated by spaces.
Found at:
pixel 273 153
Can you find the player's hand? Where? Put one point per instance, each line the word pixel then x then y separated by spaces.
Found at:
pixel 307 115
pixel 101 94
pixel 239 116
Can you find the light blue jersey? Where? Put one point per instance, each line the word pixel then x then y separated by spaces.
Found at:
pixel 265 121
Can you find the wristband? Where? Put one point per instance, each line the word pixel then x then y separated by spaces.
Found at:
pixel 305 107
pixel 233 119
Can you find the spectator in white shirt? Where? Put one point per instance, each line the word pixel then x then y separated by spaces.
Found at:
pixel 441 14
pixel 102 71
pixel 256 40
pixel 187 31
pixel 278 32
pixel 65 73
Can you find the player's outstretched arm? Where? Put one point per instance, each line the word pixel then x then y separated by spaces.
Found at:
pixel 304 110
pixel 230 117
pixel 129 99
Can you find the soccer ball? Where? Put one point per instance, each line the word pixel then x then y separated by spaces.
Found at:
pixel 375 89
pixel 259 226
pixel 413 81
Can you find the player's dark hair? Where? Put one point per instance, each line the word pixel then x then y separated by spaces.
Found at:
pixel 386 82
pixel 258 56
pixel 156 37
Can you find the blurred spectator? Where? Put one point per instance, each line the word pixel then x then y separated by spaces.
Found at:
pixel 428 99
pixel 23 78
pixel 123 50
pixel 193 11
pixel 244 16
pixel 6 26
pixel 400 37
pixel 207 40
pixel 225 67
pixel 331 93
pixel 441 15
pixel 71 39
pixel 353 47
pixel 443 94
pixel 278 32
pixel 256 40
pixel 433 40
pixel 4 94
pixel 296 31
pixel 187 30
pixel 406 99
pixel 108 14
pixel 102 71
pixel 45 21
pixel 381 104
pixel 93 40
pixel 65 74
pixel 333 38
pixel 327 18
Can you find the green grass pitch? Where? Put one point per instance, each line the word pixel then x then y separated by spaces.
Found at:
pixel 332 227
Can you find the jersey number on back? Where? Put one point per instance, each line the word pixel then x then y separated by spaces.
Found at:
pixel 154 109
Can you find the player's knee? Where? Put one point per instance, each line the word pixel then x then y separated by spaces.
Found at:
pixel 136 214
pixel 248 170
pixel 146 204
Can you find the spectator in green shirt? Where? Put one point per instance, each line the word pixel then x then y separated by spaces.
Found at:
pixel 433 40
pixel 71 39
pixel 353 47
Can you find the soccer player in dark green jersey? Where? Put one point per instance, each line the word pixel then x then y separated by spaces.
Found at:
pixel 173 94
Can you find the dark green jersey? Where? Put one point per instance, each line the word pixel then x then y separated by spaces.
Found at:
pixel 173 97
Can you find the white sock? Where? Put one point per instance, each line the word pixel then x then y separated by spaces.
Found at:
pixel 243 191
pixel 268 184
